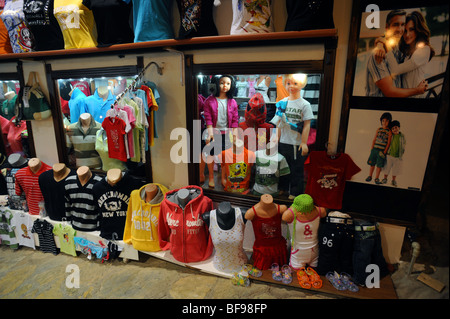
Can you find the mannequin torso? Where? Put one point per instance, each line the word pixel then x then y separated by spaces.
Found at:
pixel 266 208
pixel 60 171
pixel 85 121
pixel 225 215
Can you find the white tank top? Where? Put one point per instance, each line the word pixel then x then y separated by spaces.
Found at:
pixel 263 88
pixel 229 253
pixel 304 233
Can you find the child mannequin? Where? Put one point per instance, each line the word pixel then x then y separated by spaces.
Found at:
pixel 303 219
pixel 221 113
pixel 270 245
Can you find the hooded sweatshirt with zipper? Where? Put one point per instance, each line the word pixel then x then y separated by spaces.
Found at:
pixel 182 230
pixel 141 226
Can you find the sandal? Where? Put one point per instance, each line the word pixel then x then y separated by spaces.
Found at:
pixel 240 279
pixel 348 283
pixel 314 278
pixel 287 274
pixel 335 280
pixel 303 278
pixel 252 271
pixel 276 273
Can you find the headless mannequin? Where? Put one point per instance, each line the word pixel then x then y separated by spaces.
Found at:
pixel 86 120
pixel 103 92
pixel 34 164
pixel 60 171
pixel 113 176
pixel 265 78
pixel 84 174
pixel 225 215
pixel 272 148
pixel 289 215
pixel 183 197
pixel 266 208
pixel 150 192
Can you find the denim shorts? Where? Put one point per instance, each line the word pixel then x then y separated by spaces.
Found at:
pixel 336 236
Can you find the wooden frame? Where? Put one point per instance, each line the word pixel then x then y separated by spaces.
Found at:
pixel 393 205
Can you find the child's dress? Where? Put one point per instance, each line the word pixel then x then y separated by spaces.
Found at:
pixel 269 246
pixel 251 88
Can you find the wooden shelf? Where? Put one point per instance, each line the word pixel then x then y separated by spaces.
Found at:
pixel 199 42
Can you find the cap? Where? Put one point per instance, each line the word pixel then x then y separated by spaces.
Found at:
pixel 303 203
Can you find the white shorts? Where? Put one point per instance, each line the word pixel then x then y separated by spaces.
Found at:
pixel 394 164
pixel 302 257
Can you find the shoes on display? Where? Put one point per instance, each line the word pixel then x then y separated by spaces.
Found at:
pixel 314 278
pixel 252 271
pixel 348 283
pixel 334 278
pixel 276 273
pixel 303 278
pixel 287 274
pixel 240 279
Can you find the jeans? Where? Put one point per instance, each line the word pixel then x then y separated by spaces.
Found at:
pixel 367 250
pixel 293 182
pixel 336 237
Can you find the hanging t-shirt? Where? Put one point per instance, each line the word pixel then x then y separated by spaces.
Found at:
pixel 20 36
pixel 45 234
pixel 152 20
pixel 15 134
pixel 7 110
pixel 76 23
pixel 115 131
pixel 65 234
pixel 236 169
pixel 101 146
pixel 27 182
pixel 327 176
pixel 43 24
pixel 5 44
pixel 268 172
pixel 7 234
pixel 23 224
pixel 196 19
pixel 112 21
pixel 82 85
pixel 251 16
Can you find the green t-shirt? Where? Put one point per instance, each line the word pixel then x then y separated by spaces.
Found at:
pixel 66 234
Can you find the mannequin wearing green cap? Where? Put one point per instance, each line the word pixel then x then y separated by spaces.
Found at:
pixel 303 219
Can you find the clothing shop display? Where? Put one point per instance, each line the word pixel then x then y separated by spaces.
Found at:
pixel 141 227
pixel 76 22
pixel 15 136
pixel 211 114
pixel 101 146
pixel 236 169
pixel 262 88
pixel 8 105
pixel 22 224
pixel 181 228
pixel 43 25
pixel 309 15
pixel 252 16
pixel 7 234
pixel 9 170
pixel 268 169
pixel 196 19
pixel 5 43
pixel 152 20
pixel 20 36
pixel 97 105
pixel 79 202
pixel 77 105
pixel 53 192
pixel 327 175
pixel 115 131
pixel 27 182
pixel 112 204
pixel 82 138
pixel 44 230
pixel 281 89
pixel 336 241
pixel 241 87
pixel 112 21
pixel 66 234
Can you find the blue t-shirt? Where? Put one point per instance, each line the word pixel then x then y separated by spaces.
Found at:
pixel 97 107
pixel 152 20
pixel 76 105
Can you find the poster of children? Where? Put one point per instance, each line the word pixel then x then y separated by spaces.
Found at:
pixel 404 54
pixel 390 147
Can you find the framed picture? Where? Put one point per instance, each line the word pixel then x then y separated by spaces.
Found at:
pixel 397 65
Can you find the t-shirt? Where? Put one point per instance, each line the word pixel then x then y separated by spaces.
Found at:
pixel 27 182
pixel 112 21
pixel 14 136
pixel 43 25
pixel 76 23
pixel 22 225
pixel 65 235
pixel 236 169
pixel 101 146
pixel 327 177
pixel 83 144
pixel 268 172
pixel 251 16
pixel 152 20
pixel 5 44
pixel 7 110
pixel 45 234
pixel 115 130
pixel 97 107
pixel 53 193
pixel 196 19
pixel 20 36
pixel 7 234
pixel 296 111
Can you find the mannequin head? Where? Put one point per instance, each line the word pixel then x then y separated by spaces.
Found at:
pixel 225 85
pixel 294 83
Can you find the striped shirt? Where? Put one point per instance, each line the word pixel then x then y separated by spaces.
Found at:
pixel 81 208
pixel 27 183
pixel 84 144
pixel 45 234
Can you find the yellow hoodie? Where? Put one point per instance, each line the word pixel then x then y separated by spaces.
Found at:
pixel 141 226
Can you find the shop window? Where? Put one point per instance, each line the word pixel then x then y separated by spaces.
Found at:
pixel 260 153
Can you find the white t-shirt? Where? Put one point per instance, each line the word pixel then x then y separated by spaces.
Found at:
pixel 222 118
pixel 296 111
pixel 251 17
pixel 268 172
pixel 22 225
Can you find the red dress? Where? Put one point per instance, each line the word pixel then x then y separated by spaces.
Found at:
pixel 270 246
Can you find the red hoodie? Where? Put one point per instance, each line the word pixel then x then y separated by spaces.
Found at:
pixel 182 230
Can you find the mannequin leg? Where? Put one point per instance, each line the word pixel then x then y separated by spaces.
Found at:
pixel 211 174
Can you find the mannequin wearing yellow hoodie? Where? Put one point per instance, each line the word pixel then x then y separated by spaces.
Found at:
pixel 141 226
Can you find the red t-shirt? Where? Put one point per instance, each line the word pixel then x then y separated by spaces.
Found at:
pixel 327 177
pixel 115 131
pixel 27 182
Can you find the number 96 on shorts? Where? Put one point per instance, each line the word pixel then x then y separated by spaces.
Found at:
pixel 239 308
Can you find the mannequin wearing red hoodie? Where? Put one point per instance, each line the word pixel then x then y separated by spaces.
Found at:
pixel 258 131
